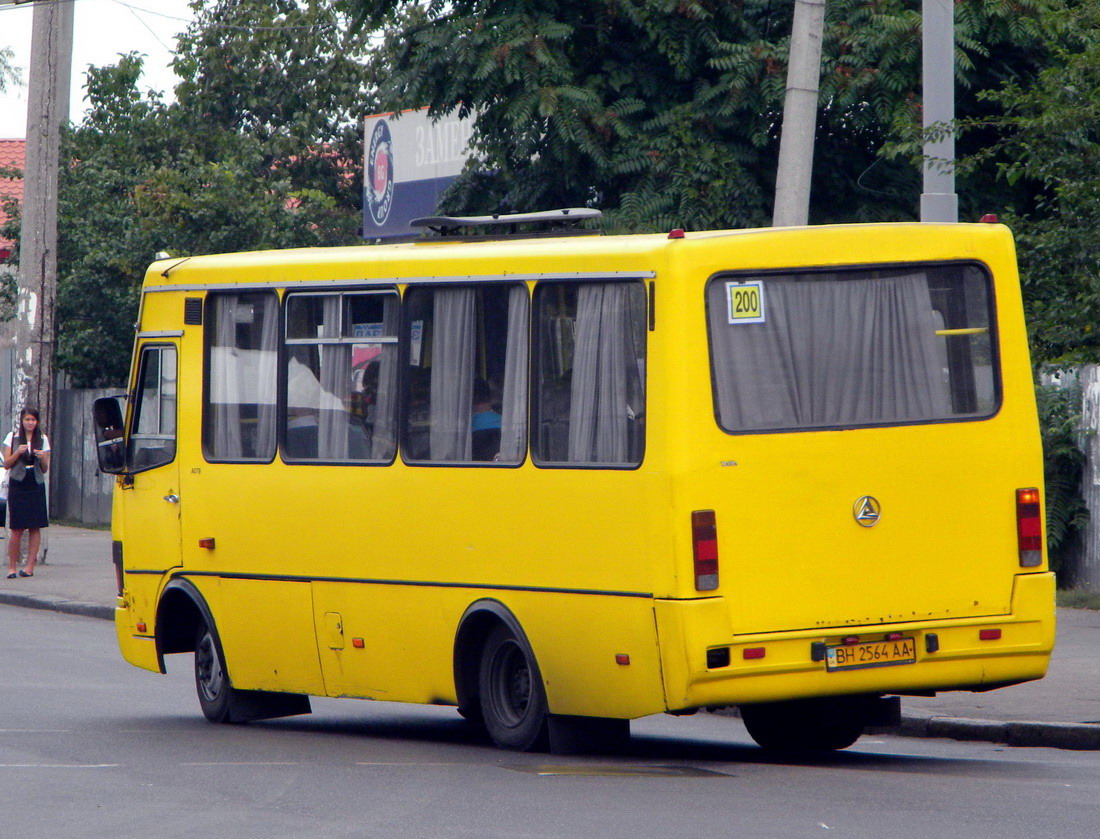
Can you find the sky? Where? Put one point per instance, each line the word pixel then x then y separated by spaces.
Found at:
pixel 102 29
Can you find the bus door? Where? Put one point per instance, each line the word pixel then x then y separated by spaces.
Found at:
pixel 150 502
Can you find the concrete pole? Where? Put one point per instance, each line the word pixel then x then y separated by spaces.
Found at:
pixel 939 202
pixel 47 107
pixel 796 143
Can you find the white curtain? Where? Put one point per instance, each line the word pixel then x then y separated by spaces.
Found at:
pixel 383 435
pixel 513 434
pixel 452 383
pixel 225 381
pixel 831 352
pixel 606 385
pixel 332 430
pixel 267 377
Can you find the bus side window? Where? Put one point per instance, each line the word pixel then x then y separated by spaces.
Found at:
pixel 589 391
pixel 242 345
pixel 153 440
pixel 466 377
pixel 341 377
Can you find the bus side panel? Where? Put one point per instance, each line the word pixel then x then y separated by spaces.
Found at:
pixel 260 623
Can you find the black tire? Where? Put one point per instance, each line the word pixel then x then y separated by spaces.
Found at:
pixel 211 677
pixel 513 700
pixel 805 726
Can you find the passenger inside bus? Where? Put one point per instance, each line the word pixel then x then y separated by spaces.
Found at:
pixel 484 424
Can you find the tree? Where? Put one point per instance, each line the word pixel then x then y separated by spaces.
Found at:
pixel 8 74
pixel 1049 134
pixel 255 153
pixel 666 112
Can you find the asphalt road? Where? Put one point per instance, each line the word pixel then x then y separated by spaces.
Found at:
pixel 91 747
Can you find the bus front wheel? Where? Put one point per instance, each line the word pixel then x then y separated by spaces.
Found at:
pixel 211 677
pixel 806 725
pixel 513 701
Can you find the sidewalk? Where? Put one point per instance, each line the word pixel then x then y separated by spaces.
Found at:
pixel 1060 711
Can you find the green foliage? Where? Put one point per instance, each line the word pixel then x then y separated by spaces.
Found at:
pixel 667 112
pixel 259 151
pixel 1063 467
pixel 1049 143
pixel 8 75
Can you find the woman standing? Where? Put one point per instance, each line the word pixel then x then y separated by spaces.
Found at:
pixel 27 457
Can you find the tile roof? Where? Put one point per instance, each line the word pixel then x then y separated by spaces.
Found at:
pixel 13 155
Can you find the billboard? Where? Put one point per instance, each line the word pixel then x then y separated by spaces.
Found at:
pixel 409 159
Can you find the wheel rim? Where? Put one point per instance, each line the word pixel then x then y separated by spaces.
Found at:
pixel 208 668
pixel 510 684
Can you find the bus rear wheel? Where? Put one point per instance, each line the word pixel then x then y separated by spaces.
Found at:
pixel 806 726
pixel 513 700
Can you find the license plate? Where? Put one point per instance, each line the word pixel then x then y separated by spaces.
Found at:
pixel 872 654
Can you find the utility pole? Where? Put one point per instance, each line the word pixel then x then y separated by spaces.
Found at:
pixel 796 143
pixel 939 202
pixel 47 109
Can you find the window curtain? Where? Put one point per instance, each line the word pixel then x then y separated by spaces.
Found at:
pixel 606 388
pixel 335 378
pixel 452 383
pixel 384 433
pixel 831 352
pixel 226 391
pixel 267 376
pixel 513 434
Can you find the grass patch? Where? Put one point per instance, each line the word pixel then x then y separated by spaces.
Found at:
pixel 1076 598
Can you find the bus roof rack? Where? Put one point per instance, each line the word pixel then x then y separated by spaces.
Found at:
pixel 500 225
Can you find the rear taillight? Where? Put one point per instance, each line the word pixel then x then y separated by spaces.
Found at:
pixel 704 545
pixel 116 557
pixel 1029 527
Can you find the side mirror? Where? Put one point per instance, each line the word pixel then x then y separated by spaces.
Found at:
pixel 110 432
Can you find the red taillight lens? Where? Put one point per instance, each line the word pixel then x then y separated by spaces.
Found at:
pixel 704 545
pixel 1029 527
pixel 116 558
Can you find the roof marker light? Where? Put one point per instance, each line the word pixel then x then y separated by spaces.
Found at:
pixel 676 233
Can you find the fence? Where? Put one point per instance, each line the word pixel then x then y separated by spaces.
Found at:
pixel 78 491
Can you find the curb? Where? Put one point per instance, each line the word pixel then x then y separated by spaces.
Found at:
pixel 57 604
pixel 1081 736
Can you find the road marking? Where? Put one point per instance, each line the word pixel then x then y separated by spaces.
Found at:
pixel 621 771
pixel 410 763
pixel 247 763
pixel 59 765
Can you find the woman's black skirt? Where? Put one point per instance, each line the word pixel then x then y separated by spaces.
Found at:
pixel 27 503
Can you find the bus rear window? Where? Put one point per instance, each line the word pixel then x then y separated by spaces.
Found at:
pixel 857 347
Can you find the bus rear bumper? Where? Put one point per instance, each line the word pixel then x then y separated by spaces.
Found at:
pixel 704 669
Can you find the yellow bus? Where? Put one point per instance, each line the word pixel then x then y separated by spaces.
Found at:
pixel 563 482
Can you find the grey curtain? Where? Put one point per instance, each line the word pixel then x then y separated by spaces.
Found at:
pixel 831 352
pixel 513 434
pixel 606 380
pixel 452 383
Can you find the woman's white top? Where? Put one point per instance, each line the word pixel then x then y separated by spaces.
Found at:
pixel 9 441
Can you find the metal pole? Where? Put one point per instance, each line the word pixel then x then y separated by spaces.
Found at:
pixel 939 202
pixel 796 143
pixel 47 106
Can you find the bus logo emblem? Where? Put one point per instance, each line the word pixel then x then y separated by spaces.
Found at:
pixel 866 511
